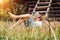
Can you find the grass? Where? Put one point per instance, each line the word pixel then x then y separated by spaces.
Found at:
pixel 27 33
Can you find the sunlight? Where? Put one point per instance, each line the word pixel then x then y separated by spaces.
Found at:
pixel 4 1
pixel 1 1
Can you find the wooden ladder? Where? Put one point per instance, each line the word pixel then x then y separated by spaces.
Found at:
pixel 42 7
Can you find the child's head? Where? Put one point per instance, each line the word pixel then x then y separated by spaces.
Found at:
pixel 37 16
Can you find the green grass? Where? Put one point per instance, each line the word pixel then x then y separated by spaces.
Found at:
pixel 26 33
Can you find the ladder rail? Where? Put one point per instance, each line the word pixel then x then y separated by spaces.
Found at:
pixel 35 6
pixel 48 9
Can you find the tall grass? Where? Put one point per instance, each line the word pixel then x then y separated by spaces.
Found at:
pixel 26 33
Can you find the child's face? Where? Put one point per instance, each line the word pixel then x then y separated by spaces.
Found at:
pixel 37 19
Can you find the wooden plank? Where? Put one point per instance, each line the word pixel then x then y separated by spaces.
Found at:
pixel 54 15
pixel 41 11
pixel 55 8
pixel 42 7
pixel 44 3
pixel 55 11
pixel 31 1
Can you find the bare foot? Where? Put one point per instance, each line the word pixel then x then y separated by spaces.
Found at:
pixel 12 15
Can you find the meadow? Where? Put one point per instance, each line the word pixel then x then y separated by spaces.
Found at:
pixel 21 32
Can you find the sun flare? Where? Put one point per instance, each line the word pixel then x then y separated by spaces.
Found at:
pixel 3 1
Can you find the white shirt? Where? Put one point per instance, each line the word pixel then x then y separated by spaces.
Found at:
pixel 38 23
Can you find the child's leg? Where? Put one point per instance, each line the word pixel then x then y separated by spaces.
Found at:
pixel 23 16
pixel 18 22
pixel 19 16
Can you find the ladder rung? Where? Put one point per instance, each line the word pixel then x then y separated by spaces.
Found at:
pixel 42 7
pixel 43 2
pixel 41 11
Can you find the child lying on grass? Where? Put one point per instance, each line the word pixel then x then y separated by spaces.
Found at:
pixel 36 20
